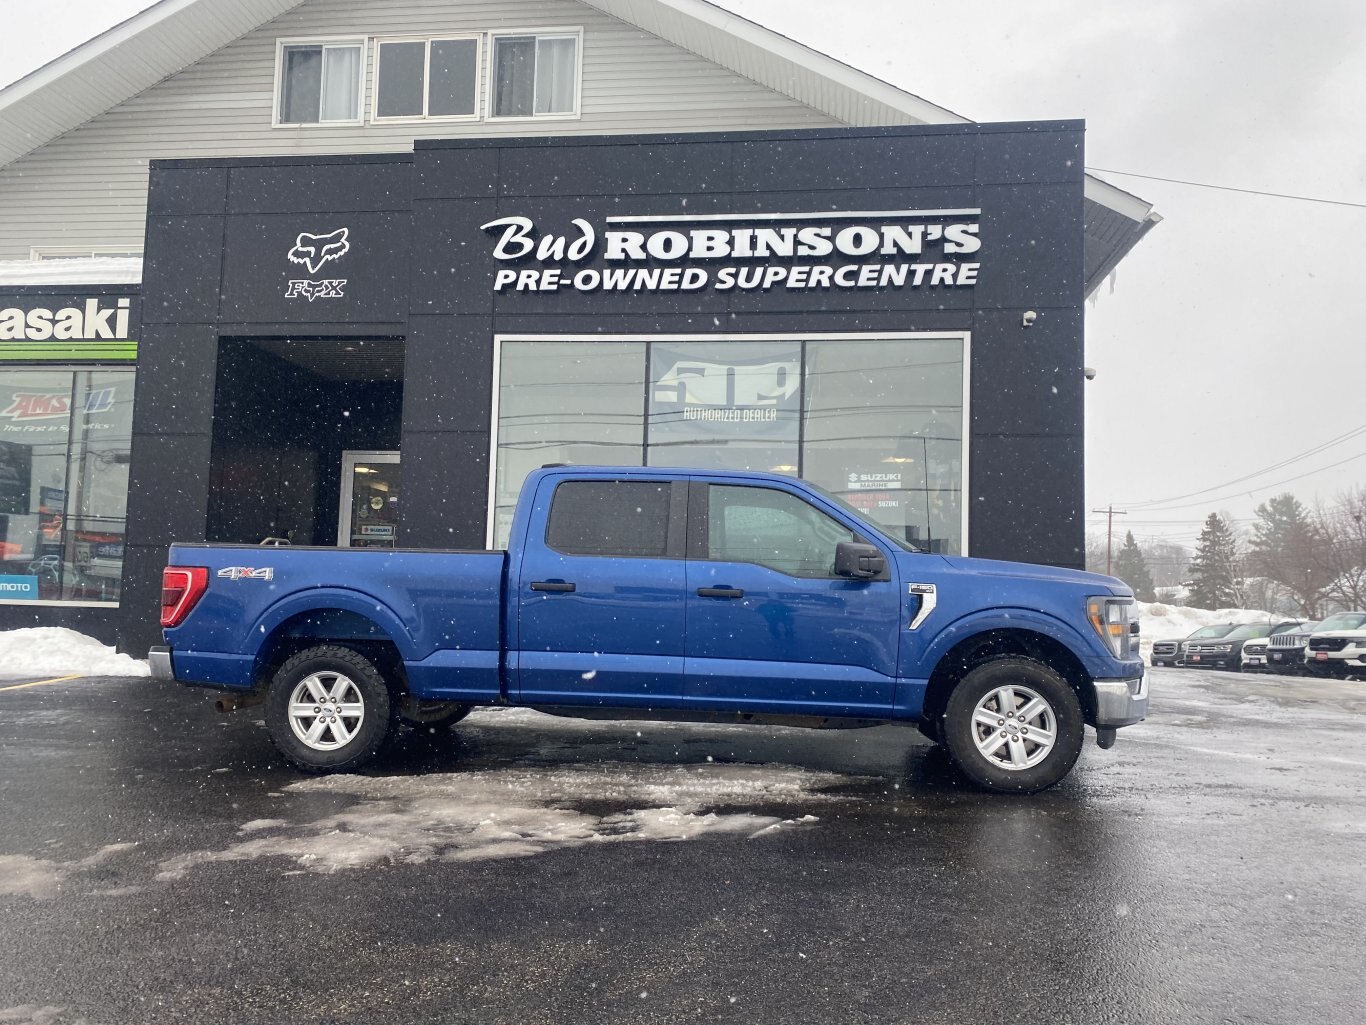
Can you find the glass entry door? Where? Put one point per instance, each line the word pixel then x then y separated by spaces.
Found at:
pixel 369 500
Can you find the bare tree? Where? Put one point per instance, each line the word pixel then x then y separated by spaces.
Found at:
pixel 1095 552
pixel 1168 562
pixel 1341 553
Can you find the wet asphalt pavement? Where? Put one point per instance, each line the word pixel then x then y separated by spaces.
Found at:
pixel 159 863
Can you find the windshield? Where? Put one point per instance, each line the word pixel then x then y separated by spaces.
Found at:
pixel 1210 631
pixel 861 517
pixel 1285 628
pixel 1342 621
pixel 1244 633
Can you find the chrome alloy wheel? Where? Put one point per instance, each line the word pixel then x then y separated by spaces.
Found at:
pixel 1014 728
pixel 326 711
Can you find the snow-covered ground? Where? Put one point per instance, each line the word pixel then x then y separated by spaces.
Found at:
pixel 55 651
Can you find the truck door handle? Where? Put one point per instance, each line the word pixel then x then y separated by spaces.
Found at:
pixel 720 592
pixel 552 585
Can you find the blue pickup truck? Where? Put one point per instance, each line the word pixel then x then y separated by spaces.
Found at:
pixel 685 594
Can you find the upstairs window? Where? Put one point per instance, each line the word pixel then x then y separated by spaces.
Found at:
pixel 320 82
pixel 427 78
pixel 535 75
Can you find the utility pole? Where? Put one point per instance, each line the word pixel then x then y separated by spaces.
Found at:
pixel 1110 513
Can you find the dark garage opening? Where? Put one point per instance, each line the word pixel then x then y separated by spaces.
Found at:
pixel 285 412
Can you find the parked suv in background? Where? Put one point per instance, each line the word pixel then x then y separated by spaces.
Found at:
pixel 1338 647
pixel 1256 650
pixel 1166 653
pixel 1285 652
pixel 1224 652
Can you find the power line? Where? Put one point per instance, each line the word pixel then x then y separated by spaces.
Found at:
pixel 1266 487
pixel 1151 505
pixel 1230 188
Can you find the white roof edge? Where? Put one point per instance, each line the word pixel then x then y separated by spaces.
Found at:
pixel 90 49
pixel 1121 202
pixel 783 46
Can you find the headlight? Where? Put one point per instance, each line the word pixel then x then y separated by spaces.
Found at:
pixel 1110 617
pixel 1223 648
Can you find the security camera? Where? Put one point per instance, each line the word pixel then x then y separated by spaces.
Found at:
pixel 1028 319
pixel 1089 373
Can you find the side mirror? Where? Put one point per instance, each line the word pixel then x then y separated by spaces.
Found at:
pixel 859 561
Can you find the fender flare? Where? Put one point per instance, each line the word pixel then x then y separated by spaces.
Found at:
pixel 1031 620
pixel 328 598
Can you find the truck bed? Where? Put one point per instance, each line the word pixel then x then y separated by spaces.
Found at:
pixel 441 608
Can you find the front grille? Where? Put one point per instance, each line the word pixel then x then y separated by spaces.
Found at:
pixel 1254 649
pixel 1204 649
pixel 1165 648
pixel 1328 644
pixel 1289 640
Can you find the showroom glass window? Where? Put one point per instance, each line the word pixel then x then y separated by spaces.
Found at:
pixel 320 83
pixel 64 446
pixel 876 421
pixel 535 75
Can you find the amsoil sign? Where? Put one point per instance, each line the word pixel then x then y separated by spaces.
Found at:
pixel 87 328
pixel 745 252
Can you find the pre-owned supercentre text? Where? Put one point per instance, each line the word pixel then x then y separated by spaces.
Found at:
pixel 899 252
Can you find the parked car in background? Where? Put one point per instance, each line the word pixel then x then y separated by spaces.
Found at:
pixel 1338 647
pixel 1224 652
pixel 1166 653
pixel 1256 650
pixel 1285 651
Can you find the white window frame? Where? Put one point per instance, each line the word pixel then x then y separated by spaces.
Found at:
pixel 363 42
pixel 965 337
pixel 40 253
pixel 562 32
pixel 478 37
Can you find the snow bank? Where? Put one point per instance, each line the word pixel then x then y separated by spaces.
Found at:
pixel 1158 622
pixel 59 652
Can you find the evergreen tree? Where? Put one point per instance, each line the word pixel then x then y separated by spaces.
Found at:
pixel 1214 569
pixel 1132 568
pixel 1286 548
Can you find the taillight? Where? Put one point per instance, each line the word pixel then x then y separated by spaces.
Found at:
pixel 181 587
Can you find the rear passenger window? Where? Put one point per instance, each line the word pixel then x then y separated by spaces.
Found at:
pixel 609 517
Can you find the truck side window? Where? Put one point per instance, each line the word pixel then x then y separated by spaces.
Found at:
pixel 610 517
pixel 772 528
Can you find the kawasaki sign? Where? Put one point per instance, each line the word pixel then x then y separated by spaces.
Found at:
pixel 67 328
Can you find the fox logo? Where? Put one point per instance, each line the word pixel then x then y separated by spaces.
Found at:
pixel 315 250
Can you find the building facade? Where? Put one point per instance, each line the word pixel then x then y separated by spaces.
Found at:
pixel 396 262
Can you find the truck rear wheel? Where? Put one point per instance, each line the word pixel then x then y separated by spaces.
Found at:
pixel 1014 725
pixel 328 709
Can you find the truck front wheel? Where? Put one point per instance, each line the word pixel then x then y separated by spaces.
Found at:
pixel 1013 725
pixel 328 709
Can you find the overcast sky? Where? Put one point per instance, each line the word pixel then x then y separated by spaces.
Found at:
pixel 1232 339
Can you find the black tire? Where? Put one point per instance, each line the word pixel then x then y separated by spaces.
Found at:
pixel 431 715
pixel 1040 765
pixel 932 729
pixel 365 709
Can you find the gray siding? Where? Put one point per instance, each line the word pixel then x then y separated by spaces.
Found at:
pixel 89 187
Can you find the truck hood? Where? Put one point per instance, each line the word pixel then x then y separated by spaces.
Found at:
pixel 1097 583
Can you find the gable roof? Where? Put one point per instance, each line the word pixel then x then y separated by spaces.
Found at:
pixel 171 35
